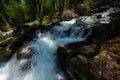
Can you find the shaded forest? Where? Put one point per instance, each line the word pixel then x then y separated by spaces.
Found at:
pixel 15 12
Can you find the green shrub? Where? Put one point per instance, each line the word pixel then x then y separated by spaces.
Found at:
pixel 82 76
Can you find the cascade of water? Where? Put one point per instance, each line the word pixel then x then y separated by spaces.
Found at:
pixel 42 64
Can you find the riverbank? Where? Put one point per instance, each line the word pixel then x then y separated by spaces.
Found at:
pixel 97 58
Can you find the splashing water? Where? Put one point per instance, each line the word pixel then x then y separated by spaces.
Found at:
pixel 42 64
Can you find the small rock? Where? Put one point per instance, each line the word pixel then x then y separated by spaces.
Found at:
pixel 25 52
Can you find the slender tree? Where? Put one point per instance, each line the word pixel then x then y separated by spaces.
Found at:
pixel 3 4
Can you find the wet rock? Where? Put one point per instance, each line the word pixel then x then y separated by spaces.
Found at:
pixel 88 50
pixel 61 75
pixel 85 20
pixel 97 59
pixel 77 61
pixel 25 34
pixel 82 48
pixel 76 45
pixel 25 52
pixel 25 64
pixel 88 33
pixel 104 65
pixel 62 55
pixel 98 34
pixel 80 64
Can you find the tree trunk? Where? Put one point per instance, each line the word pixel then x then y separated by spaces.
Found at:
pixel 53 3
pixel 37 8
pixel 65 5
pixel 4 20
pixel 64 8
pixel 41 11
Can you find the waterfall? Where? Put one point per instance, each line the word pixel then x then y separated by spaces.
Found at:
pixel 36 60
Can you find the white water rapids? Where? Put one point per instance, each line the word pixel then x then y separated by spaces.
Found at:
pixel 42 64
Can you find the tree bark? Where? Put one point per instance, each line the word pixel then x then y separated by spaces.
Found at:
pixel 41 11
pixel 4 20
pixel 65 5
pixel 37 9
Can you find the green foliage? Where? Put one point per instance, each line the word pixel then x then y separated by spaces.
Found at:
pixel 14 12
pixel 48 6
pixel 29 23
pixel 87 5
pixel 51 6
pixel 17 12
pixel 46 20
pixel 5 27
pixel 82 76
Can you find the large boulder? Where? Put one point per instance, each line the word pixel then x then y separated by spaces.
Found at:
pixel 73 58
pixel 91 61
pixel 103 32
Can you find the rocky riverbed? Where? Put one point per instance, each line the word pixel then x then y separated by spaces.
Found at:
pixel 97 58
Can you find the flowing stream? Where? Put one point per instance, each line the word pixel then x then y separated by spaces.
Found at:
pixel 42 64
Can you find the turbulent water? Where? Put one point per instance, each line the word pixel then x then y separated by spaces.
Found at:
pixel 42 64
